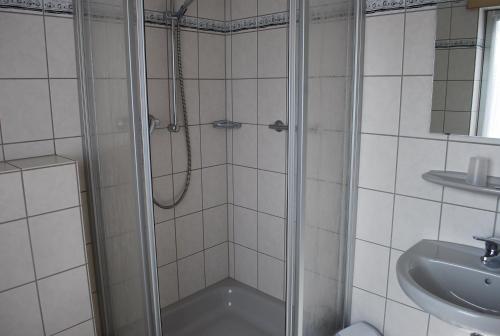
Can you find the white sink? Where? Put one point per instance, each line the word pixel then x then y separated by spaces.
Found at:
pixel 450 282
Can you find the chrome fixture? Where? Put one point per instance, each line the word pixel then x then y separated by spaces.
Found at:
pixel 177 77
pixel 279 126
pixel 183 9
pixel 491 250
pixel 226 124
pixel 153 123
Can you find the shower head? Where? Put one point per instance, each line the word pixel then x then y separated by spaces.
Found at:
pixel 183 9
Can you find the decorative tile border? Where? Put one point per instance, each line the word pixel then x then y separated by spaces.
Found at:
pixel 277 19
pixel 52 6
pixel 459 43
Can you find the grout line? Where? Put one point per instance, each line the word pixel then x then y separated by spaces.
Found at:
pixel 396 172
pixel 73 326
pixel 48 79
pixel 32 256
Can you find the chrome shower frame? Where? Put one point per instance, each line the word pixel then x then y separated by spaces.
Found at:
pixel 297 108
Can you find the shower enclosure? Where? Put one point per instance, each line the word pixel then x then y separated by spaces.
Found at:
pixel 220 146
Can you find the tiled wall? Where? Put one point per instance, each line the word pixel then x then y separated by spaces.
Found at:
pixel 192 246
pixel 396 206
pixel 240 76
pixel 39 109
pixel 44 282
pixel 256 63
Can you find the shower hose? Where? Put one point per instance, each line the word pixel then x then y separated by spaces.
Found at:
pixel 181 196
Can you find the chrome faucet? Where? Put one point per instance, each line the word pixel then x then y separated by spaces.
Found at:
pixel 491 249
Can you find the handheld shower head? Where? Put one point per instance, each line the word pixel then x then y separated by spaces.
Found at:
pixel 183 9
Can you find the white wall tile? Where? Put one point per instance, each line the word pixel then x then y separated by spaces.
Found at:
pixel 168 284
pixel 212 64
pixel 11 197
pixel 20 312
pixel 189 234
pixel 156 52
pixel 57 241
pixel 161 156
pixel 415 158
pixel 212 9
pixel 214 186
pixel 159 100
pixel 403 320
pixel 420 33
pixel 272 49
pixel 216 264
pixel 163 191
pixel 25 110
pixel 243 8
pixel 191 92
pixel 272 193
pixel 271 235
pixel 179 152
pixel 272 100
pixel 191 274
pixel 272 6
pixel 381 99
pixel 213 145
pixel 245 146
pixel 244 54
pixel 165 242
pixel 384 45
pixel 15 255
pixel 190 59
pixel 72 148
pixel 50 189
pixel 378 162
pixel 28 149
pixel 459 224
pixel 64 299
pixel 83 329
pixel 245 227
pixel 23 46
pixel 212 100
pixel 215 225
pixel 367 307
pixel 271 276
pixel 245 100
pixel 245 261
pixel 245 187
pixel 60 47
pixel 414 219
pixel 374 218
pixel 367 274
pixel 192 202
pixel 65 107
pixel 272 149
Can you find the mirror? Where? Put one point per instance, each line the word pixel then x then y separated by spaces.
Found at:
pixel 466 92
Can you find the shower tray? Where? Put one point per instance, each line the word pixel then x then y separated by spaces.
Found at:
pixel 226 308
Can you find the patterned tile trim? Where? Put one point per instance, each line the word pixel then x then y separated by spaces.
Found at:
pixel 459 43
pixel 52 6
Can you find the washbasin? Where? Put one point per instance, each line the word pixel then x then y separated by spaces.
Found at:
pixel 450 282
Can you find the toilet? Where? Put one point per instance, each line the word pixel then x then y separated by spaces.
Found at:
pixel 359 329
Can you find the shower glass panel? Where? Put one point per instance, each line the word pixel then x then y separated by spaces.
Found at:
pixel 327 28
pixel 109 41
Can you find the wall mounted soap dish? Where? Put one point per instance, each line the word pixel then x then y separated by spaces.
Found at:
pixel 457 180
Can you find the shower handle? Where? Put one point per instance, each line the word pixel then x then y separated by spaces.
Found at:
pixel 279 126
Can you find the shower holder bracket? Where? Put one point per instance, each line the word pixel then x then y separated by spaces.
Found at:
pixel 226 124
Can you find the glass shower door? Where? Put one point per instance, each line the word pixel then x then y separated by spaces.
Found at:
pixel 111 55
